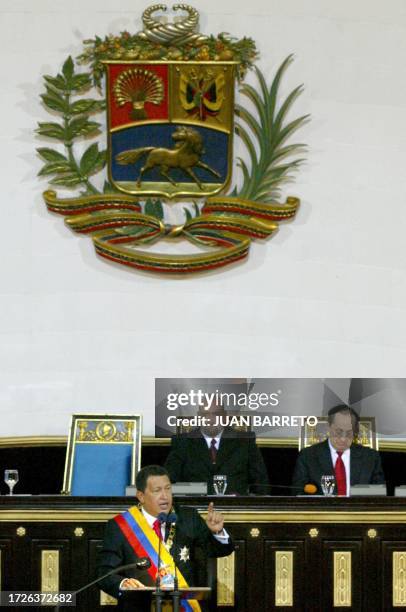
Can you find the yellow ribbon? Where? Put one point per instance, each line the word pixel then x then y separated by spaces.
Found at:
pixel 166 558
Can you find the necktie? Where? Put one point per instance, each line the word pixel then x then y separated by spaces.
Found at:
pixel 341 478
pixel 157 528
pixel 213 451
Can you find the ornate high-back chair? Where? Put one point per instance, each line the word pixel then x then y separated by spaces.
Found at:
pixel 103 454
pixel 310 435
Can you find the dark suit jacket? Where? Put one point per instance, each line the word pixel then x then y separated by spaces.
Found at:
pixel 191 531
pixel 315 461
pixel 238 458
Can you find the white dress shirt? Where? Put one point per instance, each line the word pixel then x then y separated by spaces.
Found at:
pixel 210 438
pixel 346 460
pixel 151 520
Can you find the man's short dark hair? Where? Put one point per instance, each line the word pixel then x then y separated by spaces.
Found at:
pixel 344 409
pixel 146 472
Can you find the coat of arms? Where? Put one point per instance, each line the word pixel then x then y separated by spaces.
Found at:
pixel 171 116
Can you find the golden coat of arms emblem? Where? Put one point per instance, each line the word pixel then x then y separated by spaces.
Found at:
pixel 169 94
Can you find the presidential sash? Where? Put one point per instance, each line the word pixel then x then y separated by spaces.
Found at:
pixel 145 543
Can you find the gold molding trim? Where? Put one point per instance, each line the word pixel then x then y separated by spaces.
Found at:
pixel 301 516
pixel 342 579
pixel 49 571
pixel 24 441
pixel 226 580
pixel 278 442
pixel 247 516
pixel 107 600
pixel 284 578
pixel 392 446
pixel 399 579
pixel 151 441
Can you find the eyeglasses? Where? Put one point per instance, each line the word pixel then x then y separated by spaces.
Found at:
pixel 339 433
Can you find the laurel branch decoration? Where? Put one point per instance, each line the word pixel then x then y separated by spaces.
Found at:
pixel 74 125
pixel 119 223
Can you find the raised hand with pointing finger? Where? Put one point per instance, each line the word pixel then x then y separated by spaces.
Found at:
pixel 214 519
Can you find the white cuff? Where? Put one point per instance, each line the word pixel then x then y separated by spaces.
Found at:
pixel 222 537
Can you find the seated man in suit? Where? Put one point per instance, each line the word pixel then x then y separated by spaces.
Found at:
pixel 350 463
pixel 138 534
pixel 214 449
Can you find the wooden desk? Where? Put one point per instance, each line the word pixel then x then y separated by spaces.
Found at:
pixel 312 553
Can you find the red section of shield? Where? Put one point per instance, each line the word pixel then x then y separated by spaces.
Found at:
pixel 121 115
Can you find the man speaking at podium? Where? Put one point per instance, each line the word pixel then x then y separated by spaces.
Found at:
pixel 143 533
pixel 350 463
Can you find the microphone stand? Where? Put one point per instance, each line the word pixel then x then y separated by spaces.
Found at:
pixel 158 590
pixel 143 563
pixel 176 595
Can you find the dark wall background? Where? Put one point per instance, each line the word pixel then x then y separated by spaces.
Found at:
pixel 41 469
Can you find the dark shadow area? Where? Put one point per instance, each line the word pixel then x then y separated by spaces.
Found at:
pixel 41 469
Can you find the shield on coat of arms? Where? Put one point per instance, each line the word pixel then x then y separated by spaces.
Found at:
pixel 170 127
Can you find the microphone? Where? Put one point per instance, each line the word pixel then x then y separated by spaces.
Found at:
pixel 143 563
pixel 171 518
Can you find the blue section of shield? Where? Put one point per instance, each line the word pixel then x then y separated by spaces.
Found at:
pixel 101 469
pixel 215 153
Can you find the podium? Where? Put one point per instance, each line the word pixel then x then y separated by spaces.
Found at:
pixel 141 600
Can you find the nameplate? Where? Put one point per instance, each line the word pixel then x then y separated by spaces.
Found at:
pixel 178 488
pixel 371 490
pixel 189 488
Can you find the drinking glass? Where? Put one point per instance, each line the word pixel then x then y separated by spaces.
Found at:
pixel 11 479
pixel 328 484
pixel 219 484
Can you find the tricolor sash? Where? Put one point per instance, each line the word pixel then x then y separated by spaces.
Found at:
pixel 145 543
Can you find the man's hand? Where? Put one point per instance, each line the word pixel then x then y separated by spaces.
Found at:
pixel 132 583
pixel 214 520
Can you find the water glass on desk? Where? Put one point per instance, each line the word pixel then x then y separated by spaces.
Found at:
pixel 11 479
pixel 328 484
pixel 219 484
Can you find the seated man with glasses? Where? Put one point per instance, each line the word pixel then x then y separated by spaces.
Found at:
pixel 350 463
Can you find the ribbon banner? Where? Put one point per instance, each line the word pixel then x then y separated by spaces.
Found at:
pixel 145 543
pixel 117 225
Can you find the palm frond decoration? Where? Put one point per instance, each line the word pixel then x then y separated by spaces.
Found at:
pixel 269 167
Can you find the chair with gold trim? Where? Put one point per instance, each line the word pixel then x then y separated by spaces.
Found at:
pixel 310 435
pixel 103 454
